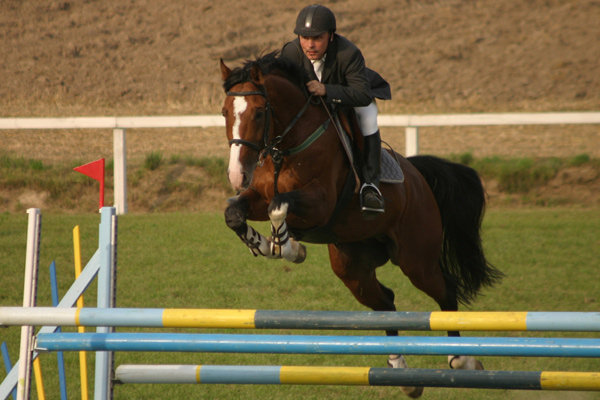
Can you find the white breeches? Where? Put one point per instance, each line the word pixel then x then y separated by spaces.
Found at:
pixel 367 118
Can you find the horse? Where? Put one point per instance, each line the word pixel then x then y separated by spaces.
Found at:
pixel 288 165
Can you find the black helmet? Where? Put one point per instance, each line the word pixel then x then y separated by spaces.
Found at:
pixel 315 20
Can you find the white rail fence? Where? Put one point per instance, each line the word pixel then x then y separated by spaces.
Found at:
pixel 411 123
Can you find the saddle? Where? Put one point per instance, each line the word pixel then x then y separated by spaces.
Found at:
pixel 391 173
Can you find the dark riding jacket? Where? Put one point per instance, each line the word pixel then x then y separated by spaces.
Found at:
pixel 347 80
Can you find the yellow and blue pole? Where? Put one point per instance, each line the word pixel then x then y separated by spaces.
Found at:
pixel 361 376
pixel 314 320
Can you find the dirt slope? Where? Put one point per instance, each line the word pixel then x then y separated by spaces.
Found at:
pixel 153 56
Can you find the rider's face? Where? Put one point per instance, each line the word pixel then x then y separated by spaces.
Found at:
pixel 314 47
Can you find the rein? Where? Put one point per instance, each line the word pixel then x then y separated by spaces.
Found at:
pixel 271 149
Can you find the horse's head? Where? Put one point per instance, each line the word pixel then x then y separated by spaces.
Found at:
pixel 247 120
pixel 249 115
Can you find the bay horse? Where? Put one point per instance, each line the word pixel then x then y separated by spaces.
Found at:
pixel 288 165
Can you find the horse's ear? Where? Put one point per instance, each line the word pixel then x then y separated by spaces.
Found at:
pixel 225 71
pixel 257 75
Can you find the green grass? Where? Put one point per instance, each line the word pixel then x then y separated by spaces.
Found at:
pixel 67 190
pixel 153 160
pixel 550 258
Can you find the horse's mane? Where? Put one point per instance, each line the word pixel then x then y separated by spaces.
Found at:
pixel 271 63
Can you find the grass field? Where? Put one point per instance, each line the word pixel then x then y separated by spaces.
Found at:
pixel 550 258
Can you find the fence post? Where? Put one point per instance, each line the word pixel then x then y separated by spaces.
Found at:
pixel 120 170
pixel 412 141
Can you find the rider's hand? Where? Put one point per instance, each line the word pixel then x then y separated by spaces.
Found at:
pixel 316 88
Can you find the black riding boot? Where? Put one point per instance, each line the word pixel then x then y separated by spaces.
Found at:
pixel 371 200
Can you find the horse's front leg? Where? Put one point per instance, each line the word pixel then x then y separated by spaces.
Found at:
pixel 282 244
pixel 309 204
pixel 236 215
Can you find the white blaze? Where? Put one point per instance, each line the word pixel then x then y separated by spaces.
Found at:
pixel 235 167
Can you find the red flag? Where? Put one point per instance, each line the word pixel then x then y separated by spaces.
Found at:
pixel 95 170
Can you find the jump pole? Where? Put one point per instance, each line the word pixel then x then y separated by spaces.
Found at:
pixel 32 259
pixel 313 320
pixel 311 344
pixel 358 376
pixel 558 380
pixel 83 372
pixel 107 248
pixel 69 299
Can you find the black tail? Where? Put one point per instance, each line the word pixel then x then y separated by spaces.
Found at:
pixel 461 200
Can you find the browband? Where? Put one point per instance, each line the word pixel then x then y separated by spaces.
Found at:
pixel 248 93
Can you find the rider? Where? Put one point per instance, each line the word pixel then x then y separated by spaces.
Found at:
pixel 337 72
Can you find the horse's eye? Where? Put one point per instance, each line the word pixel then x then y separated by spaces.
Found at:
pixel 260 113
pixel 224 112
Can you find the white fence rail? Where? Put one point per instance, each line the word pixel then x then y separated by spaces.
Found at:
pixel 412 123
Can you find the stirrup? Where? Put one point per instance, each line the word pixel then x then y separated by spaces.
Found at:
pixel 371 211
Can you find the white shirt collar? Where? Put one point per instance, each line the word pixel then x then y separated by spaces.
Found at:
pixel 318 66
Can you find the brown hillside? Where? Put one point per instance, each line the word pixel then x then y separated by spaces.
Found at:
pixel 154 56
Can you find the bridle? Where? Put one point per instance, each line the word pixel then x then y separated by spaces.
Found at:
pixel 247 143
pixel 272 149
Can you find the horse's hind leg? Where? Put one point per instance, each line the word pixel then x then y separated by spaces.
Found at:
pixel 355 265
pixel 427 276
pixel 450 303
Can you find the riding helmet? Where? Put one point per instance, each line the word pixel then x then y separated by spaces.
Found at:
pixel 315 20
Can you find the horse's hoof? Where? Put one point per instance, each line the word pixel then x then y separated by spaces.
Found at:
pixel 412 392
pixel 235 220
pixel 301 256
pixel 464 362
